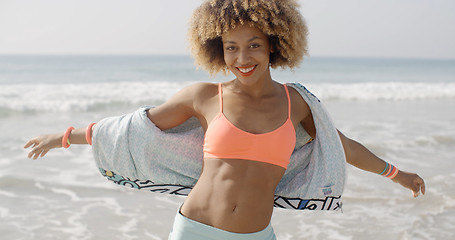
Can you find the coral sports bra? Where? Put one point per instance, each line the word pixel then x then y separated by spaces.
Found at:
pixel 223 140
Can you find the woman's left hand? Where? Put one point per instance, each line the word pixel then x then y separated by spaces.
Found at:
pixel 411 181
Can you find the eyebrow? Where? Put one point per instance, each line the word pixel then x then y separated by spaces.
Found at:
pixel 252 39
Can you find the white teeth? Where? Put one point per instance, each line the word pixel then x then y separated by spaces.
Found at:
pixel 245 70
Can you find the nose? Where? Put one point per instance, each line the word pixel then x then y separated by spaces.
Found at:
pixel 243 57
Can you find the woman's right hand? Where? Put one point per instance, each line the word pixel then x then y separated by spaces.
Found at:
pixel 42 144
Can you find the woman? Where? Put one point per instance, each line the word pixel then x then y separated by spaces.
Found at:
pixel 240 118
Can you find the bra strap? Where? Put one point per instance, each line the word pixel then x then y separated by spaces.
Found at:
pixel 220 94
pixel 289 100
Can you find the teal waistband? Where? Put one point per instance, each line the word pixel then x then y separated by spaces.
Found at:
pixel 188 229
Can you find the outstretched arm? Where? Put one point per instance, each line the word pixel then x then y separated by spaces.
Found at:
pixel 170 114
pixel 44 143
pixel 356 154
pixel 360 157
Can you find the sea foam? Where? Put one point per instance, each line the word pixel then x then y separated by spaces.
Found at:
pixel 98 96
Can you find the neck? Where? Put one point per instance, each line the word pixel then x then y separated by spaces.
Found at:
pixel 263 87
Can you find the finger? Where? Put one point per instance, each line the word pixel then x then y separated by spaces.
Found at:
pixel 416 191
pixel 33 151
pixel 420 184
pixel 44 153
pixel 37 154
pixel 30 154
pixel 29 143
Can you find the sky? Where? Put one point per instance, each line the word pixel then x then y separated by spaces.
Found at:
pixel 348 28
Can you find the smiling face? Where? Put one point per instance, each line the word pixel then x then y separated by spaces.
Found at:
pixel 247 53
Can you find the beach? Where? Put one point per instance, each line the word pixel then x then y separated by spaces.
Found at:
pixel 400 109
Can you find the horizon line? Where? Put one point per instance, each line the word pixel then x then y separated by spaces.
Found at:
pixel 189 55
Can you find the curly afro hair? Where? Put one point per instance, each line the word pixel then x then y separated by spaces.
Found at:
pixel 280 20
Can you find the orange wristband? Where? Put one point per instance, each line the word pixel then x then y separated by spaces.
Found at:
pixel 394 173
pixel 65 141
pixel 88 133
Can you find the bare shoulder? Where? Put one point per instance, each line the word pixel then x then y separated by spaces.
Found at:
pixel 199 97
pixel 195 92
pixel 186 103
pixel 196 88
pixel 299 106
pixel 202 92
pixel 203 88
pixel 301 112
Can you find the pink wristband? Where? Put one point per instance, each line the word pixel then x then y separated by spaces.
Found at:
pixel 65 140
pixel 88 133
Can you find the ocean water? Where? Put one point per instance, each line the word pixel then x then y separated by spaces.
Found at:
pixel 401 109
